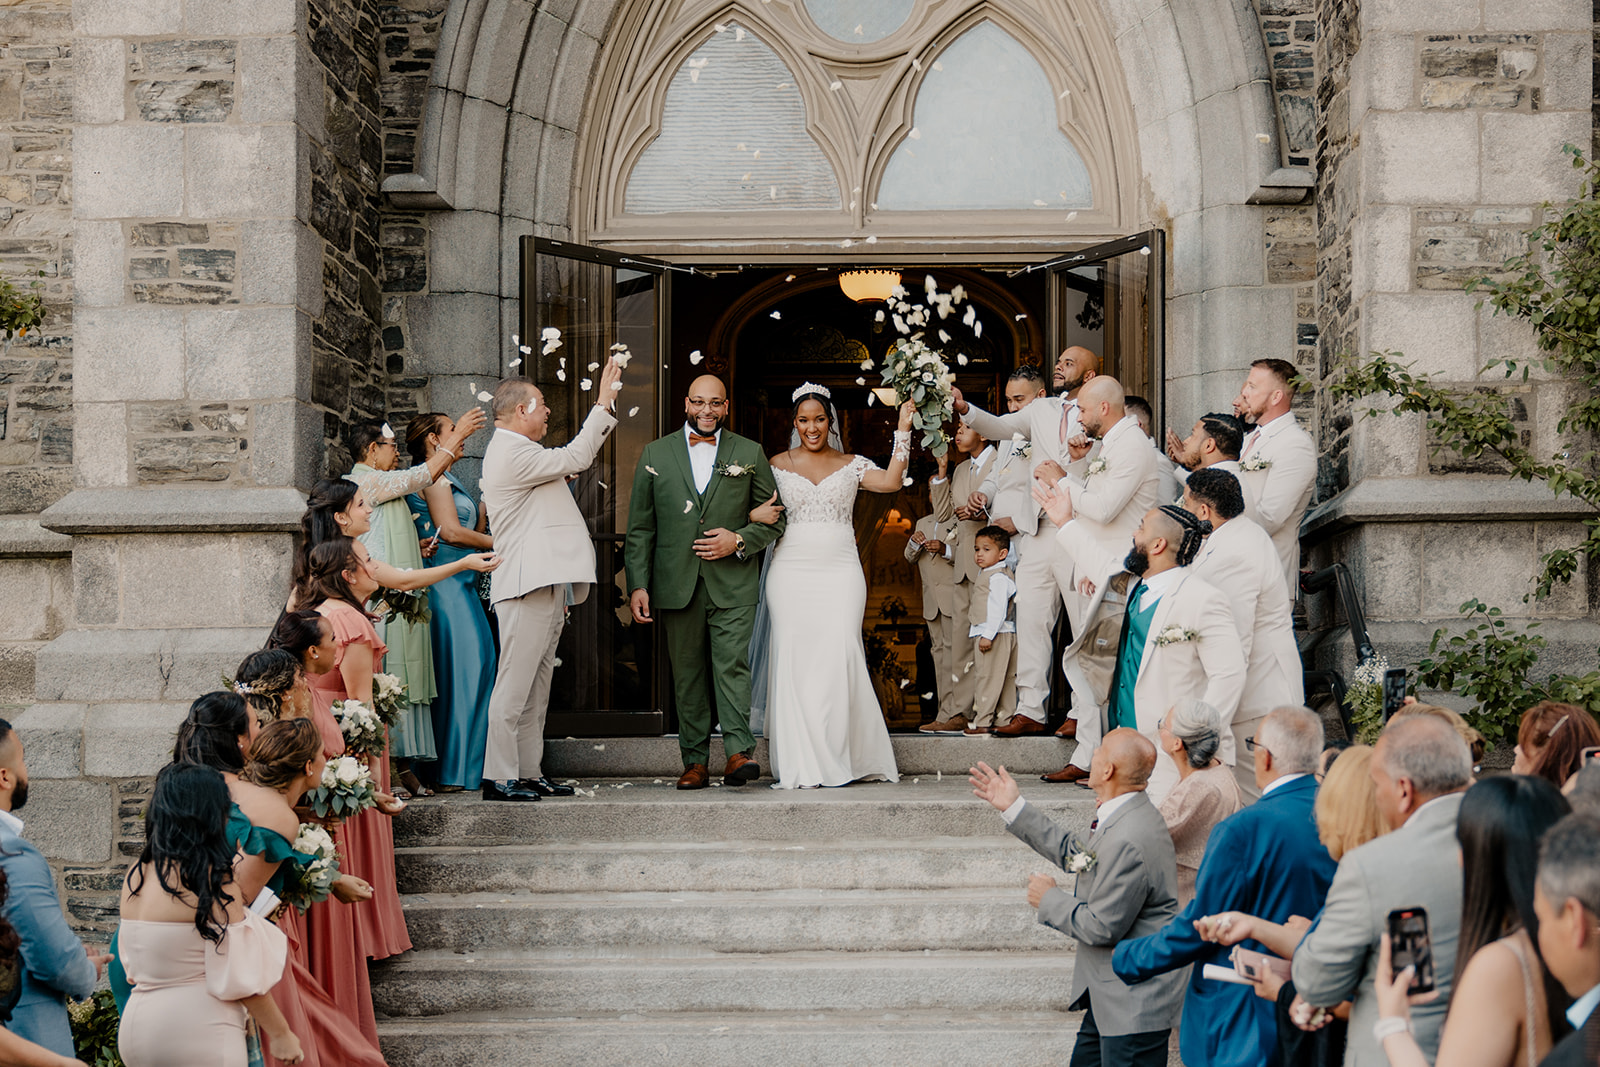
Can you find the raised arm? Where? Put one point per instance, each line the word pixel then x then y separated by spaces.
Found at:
pixel 891 478
pixel 535 466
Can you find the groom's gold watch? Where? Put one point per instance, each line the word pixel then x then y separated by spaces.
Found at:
pixel 738 546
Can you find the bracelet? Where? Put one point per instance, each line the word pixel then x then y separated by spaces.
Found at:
pixel 902 446
pixel 1390 1025
pixel 447 452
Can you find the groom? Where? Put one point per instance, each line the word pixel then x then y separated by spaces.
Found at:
pixel 692 555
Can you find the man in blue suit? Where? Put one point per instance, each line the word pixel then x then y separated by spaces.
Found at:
pixel 55 964
pixel 1265 861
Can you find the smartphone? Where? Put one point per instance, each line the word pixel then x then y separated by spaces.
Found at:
pixel 1590 753
pixel 1256 965
pixel 1410 946
pixel 1394 691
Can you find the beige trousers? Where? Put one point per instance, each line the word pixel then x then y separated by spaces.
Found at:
pixel 530 627
pixel 995 691
pixel 1043 578
pixel 959 679
pixel 939 636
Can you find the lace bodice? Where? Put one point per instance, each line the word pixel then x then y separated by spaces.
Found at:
pixel 832 500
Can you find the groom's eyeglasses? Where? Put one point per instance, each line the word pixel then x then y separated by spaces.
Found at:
pixel 715 405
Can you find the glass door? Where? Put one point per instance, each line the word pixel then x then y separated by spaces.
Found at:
pixel 607 680
pixel 1110 298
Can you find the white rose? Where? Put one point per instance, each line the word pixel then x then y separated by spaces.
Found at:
pixel 349 771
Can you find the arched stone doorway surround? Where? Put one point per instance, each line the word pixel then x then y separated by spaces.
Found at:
pixel 511 144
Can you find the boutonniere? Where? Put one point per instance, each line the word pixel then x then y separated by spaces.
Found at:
pixel 1255 463
pixel 1080 862
pixel 1095 468
pixel 734 470
pixel 1021 447
pixel 1174 635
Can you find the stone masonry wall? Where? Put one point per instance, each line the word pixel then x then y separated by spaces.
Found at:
pixel 36 238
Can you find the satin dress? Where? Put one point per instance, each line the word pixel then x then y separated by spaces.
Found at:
pixel 463 651
pixel 340 938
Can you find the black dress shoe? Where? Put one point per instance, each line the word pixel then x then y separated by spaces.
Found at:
pixel 506 791
pixel 544 787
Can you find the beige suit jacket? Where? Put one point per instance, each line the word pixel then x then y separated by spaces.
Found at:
pixel 937 572
pixel 1110 504
pixel 962 483
pixel 1282 489
pixel 1239 559
pixel 1009 486
pixel 538 528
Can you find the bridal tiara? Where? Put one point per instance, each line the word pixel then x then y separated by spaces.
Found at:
pixel 809 387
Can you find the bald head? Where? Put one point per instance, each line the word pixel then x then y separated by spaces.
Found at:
pixel 1074 366
pixel 1129 758
pixel 706 406
pixel 1100 405
pixel 707 386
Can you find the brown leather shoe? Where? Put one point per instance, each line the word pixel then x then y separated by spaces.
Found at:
pixel 978 731
pixel 1068 729
pixel 1069 773
pixel 1021 726
pixel 740 769
pixel 945 726
pixel 695 776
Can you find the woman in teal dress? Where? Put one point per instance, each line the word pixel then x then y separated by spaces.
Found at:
pixel 392 540
pixel 463 648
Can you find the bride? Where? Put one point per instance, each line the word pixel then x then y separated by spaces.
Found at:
pixel 824 723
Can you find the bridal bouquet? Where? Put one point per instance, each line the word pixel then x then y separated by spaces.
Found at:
pixel 914 368
pixel 409 605
pixel 362 728
pixel 312 871
pixel 346 789
pixel 388 697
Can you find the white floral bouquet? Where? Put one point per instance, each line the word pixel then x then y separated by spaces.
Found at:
pixel 1364 698
pixel 363 730
pixel 916 370
pixel 313 870
pixel 388 697
pixel 346 789
pixel 408 605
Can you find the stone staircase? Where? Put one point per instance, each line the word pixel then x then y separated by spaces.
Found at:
pixel 881 924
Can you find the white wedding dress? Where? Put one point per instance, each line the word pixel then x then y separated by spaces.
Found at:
pixel 824 723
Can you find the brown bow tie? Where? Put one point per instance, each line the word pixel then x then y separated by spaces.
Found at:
pixel 701 439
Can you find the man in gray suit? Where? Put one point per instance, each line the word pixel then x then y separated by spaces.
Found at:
pixel 1127 879
pixel 1420 769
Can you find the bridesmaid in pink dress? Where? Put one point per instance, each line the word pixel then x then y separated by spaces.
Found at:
pixel 341 939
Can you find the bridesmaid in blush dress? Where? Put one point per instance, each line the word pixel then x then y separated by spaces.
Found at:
pixel 197 958
pixel 463 648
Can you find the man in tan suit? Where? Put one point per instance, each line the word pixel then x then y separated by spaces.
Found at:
pixel 1278 467
pixel 543 538
pixel 952 500
pixel 929 548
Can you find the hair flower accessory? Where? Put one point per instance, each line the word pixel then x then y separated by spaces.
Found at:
pixel 244 689
pixel 810 387
pixel 388 432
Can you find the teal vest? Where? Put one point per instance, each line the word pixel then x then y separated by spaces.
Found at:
pixel 1130 651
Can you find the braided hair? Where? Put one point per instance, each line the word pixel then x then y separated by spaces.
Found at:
pixel 280 754
pixel 265 679
pixel 1195 532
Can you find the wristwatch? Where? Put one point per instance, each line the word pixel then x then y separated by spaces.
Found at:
pixel 738 546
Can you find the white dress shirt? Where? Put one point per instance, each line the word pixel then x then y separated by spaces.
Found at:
pixel 1001 590
pixel 1581 1008
pixel 1155 586
pixel 1276 782
pixel 11 822
pixel 702 458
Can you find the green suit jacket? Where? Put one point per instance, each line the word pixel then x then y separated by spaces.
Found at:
pixel 666 515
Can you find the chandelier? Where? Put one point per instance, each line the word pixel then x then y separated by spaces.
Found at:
pixel 867 286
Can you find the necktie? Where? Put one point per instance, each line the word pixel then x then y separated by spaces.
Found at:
pixel 1094 824
pixel 701 439
pixel 1250 442
pixel 1066 420
pixel 1134 598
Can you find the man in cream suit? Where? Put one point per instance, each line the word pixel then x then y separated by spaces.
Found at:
pixel 1171 487
pixel 1279 461
pixel 952 501
pixel 1153 632
pixel 1127 885
pixel 543 538
pixel 929 548
pixel 1215 441
pixel 1419 771
pixel 1238 559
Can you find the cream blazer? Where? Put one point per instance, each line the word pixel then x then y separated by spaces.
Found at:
pixel 1112 503
pixel 946 495
pixel 1240 560
pixel 1282 489
pixel 537 525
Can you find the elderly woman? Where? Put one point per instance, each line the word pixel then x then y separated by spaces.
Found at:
pixel 1206 792
pixel 392 539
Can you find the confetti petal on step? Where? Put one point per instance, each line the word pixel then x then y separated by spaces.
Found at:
pixel 872 240
pixel 1264 138
pixel 599 748
pixel 472 387
pixel 695 357
pixel 1071 215
pixel 1041 203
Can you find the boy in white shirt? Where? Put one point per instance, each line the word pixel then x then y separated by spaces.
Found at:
pixel 995 696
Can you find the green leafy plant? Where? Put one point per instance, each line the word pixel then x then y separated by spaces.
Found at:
pixel 1364 698
pixel 94 1029
pixel 1555 288
pixel 20 310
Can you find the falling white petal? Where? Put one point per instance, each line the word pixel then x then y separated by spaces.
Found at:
pixel 593 367
pixel 688 506
pixel 563 361
pixel 515 339
pixel 740 146
pixel 586 385
pixel 916 64
pixel 1071 215
pixel 915 134
pixel 879 316
pixel 472 387
pixel 870 398
pixel 977 329
pixel 874 205
pixel 485 397
pixel 619 347
pixel 622 359
pixel 603 485
pixel 846 243
pixel 514 364
pixel 773 192
pixel 835 86
pixel 937 65
pixel 615 386
pixel 549 333
pixel 866 364
pixel 695 357
pixel 738 33
pixel 720 28
pixel 1018 318
pixel 694 75
pixel 632 412
pixel 859 31
pixel 1040 203
pixel 746 177
pixel 561 375
pixel 904 682
pixel 944 337
pixel 1064 94
pixel 961 359
pixel 1145 251
pixel 777 314
pixel 861 381
pixel 647 467
pixel 872 240
pixel 906 480
pixel 756 154
pixel 790 278
pixel 525 349
pixel 971 316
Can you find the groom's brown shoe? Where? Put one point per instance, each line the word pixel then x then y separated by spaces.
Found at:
pixel 695 776
pixel 1069 773
pixel 740 769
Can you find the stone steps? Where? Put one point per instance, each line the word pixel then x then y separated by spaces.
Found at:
pixel 447 983
pixel 876 923
pixel 729 1039
pixel 914 754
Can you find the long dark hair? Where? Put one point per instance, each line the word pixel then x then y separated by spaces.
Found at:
pixel 325 580
pixel 329 498
pixel 184 834
pixel 280 754
pixel 268 675
pixel 209 736
pixel 1499 826
pixel 417 431
pixel 297 632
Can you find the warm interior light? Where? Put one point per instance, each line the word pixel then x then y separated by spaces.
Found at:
pixel 865 286
pixel 887 396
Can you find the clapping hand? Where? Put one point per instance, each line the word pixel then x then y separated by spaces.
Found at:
pixel 1175 449
pixel 610 382
pixel 997 787
pixel 1056 504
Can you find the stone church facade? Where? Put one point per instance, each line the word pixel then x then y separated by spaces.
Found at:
pixel 260 223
